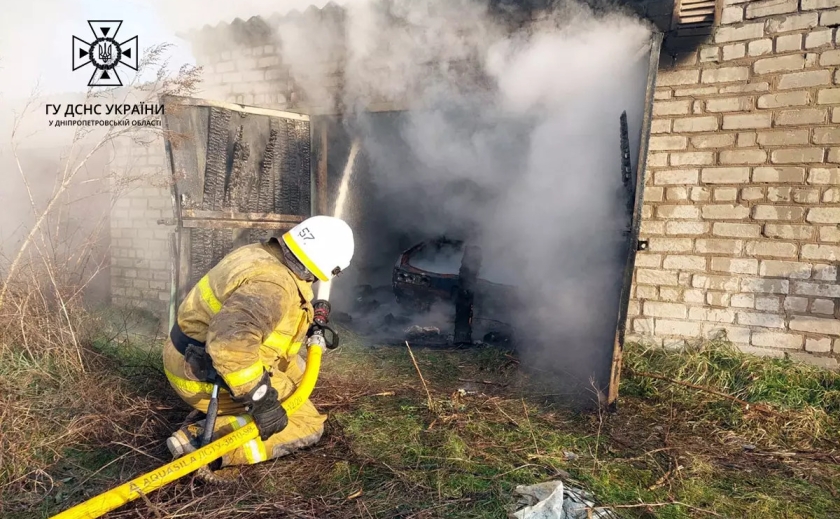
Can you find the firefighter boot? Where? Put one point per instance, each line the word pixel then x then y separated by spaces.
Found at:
pixel 185 440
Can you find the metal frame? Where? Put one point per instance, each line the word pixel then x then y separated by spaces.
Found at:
pixel 175 242
pixel 629 267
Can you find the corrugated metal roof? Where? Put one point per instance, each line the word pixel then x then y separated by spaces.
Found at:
pixel 259 30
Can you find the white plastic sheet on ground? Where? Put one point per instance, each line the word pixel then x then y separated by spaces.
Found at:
pixel 552 500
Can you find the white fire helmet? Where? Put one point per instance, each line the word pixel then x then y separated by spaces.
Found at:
pixel 324 244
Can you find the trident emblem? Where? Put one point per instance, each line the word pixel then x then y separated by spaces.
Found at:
pixel 106 52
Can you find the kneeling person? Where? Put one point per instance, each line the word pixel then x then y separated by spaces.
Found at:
pixel 243 324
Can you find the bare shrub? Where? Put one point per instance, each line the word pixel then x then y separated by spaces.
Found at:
pixel 56 390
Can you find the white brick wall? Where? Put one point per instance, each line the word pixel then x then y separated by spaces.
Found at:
pixel 742 204
pixel 139 246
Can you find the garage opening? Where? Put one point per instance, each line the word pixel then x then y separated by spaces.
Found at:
pixel 527 215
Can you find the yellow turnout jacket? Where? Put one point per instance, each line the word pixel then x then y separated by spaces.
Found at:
pixel 252 313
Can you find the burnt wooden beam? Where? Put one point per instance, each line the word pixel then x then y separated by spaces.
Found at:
pixel 198 214
pixel 237 224
pixel 191 101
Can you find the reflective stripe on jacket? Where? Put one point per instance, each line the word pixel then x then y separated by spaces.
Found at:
pixel 252 313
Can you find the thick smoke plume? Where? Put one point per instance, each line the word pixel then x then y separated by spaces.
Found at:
pixel 511 141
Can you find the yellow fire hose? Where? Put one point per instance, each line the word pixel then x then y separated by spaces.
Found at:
pixel 151 481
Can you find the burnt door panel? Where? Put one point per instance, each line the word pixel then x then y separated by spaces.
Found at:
pixel 240 175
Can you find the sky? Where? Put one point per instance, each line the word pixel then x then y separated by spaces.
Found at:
pixel 36 35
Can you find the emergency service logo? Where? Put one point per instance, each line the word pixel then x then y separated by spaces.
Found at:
pixel 105 53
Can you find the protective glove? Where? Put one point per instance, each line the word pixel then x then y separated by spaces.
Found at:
pixel 264 406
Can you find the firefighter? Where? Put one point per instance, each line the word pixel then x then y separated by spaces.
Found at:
pixel 243 325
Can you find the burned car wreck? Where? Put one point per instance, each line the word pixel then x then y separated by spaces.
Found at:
pixel 447 271
pixel 427 272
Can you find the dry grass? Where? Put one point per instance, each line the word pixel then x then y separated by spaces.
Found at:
pixel 59 397
pixel 670 451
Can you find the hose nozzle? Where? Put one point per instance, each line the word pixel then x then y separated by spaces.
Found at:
pixel 319 325
pixel 322 311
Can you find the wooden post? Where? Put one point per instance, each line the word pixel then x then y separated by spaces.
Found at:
pixel 321 174
pixel 467 276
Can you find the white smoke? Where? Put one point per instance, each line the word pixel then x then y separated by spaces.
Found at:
pixel 511 140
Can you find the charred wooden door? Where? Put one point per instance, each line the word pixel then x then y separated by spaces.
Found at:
pixel 240 174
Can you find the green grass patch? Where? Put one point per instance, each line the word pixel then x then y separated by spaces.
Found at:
pixel 719 365
pixel 803 399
